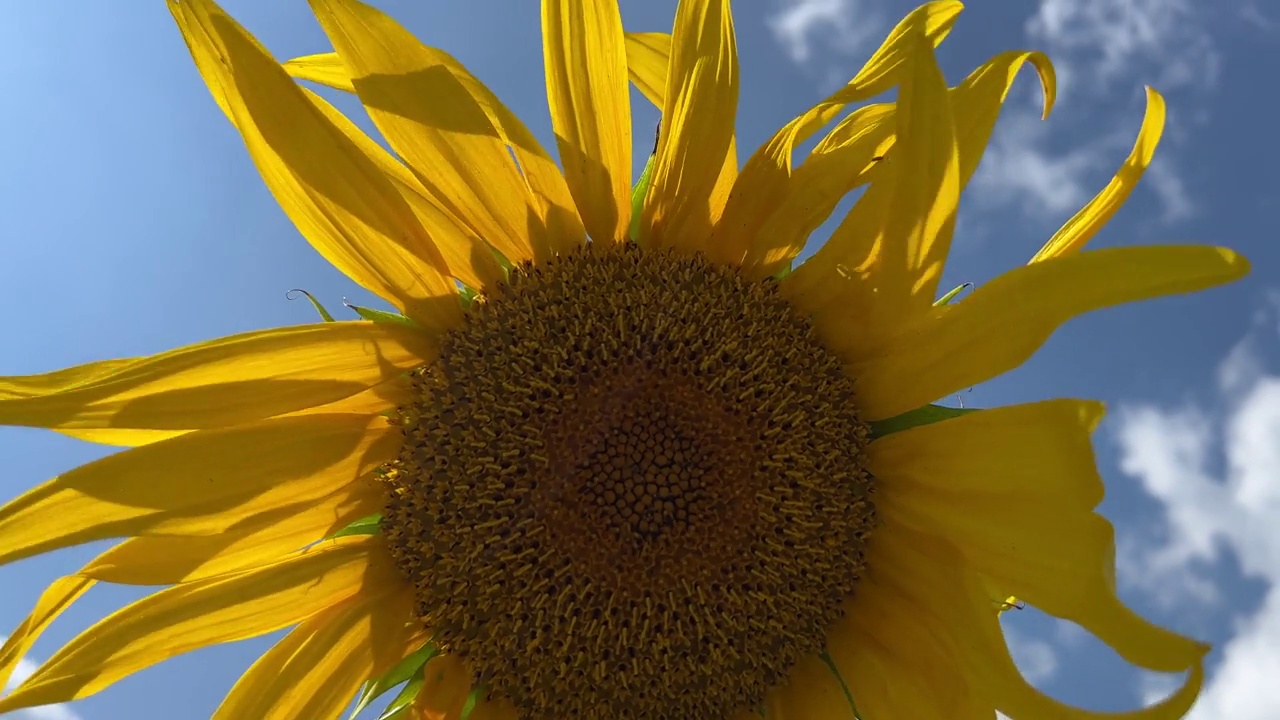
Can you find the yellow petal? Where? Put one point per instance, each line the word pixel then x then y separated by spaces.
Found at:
pixel 120 437
pixel 446 685
pixel 324 68
pixel 335 194
pixel 840 280
pixel 843 161
pixel 1014 489
pixel 926 609
pixel 907 675
pixel 318 667
pixel 586 69
pixel 29 386
pixel 925 167
pixel 465 255
pixel 765 175
pixel 648 56
pixel 557 218
pixel 374 401
pixel 976 102
pixel 903 657
pixel 207 612
pixel 986 454
pixel 377 400
pixel 837 287
pixel 255 540
pixel 813 692
pixel 697 125
pixel 198 483
pixel 1004 321
pixel 55 599
pixel 1085 224
pixel 435 124
pixel 720 192
pixel 232 380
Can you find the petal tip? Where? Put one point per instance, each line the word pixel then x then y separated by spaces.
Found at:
pixel 1092 412
pixel 1238 264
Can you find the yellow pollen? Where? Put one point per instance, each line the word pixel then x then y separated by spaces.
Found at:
pixel 631 486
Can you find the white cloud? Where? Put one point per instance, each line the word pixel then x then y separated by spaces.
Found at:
pixel 1169 188
pixel 1022 168
pixel 1239 369
pixel 1104 52
pixel 1101 41
pixel 1035 658
pixel 45 712
pixel 806 27
pixel 1209 509
pixel 1017 168
pixel 1068 633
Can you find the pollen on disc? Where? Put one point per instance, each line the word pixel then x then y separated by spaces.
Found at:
pixel 632 486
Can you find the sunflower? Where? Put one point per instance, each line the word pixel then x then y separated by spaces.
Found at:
pixel 617 455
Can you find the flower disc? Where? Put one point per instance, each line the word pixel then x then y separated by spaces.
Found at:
pixel 632 486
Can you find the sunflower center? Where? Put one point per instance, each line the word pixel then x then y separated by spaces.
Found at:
pixel 631 487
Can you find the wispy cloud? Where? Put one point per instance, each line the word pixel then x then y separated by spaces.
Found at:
pixel 1252 14
pixel 1212 507
pixel 809 29
pixel 1098 42
pixel 1034 657
pixel 1018 169
pixel 1104 51
pixel 1023 168
pixel 25 667
pixel 1163 178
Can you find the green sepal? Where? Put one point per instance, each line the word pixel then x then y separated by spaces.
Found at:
pixel 405 670
pixel 324 314
pixel 926 415
pixel 784 271
pixel 848 696
pixel 503 262
pixel 946 299
pixel 638 193
pixel 381 315
pixel 469 706
pixel 369 525
pixel 399 707
pixel 467 296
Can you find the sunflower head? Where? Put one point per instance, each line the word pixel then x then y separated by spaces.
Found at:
pixel 642 464
pixel 617 454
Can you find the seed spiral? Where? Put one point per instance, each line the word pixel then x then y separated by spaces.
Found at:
pixel 631 486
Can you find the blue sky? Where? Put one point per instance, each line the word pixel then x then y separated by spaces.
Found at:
pixel 132 221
